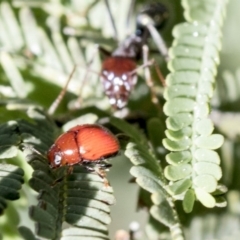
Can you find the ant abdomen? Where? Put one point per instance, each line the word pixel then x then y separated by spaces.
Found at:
pixel 119 79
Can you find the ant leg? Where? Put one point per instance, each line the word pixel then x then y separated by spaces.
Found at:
pixel 148 78
pixel 160 75
pixel 144 65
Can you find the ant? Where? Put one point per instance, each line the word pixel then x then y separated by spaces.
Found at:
pixel 119 69
pixel 118 73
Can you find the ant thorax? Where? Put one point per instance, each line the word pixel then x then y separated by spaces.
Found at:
pixel 131 47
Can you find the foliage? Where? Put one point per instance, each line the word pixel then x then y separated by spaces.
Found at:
pixel 40 42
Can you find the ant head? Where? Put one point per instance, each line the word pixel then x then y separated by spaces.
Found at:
pixel 155 14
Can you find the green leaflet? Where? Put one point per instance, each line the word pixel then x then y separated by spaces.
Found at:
pixel 149 176
pixel 11 180
pixel 150 180
pixel 194 169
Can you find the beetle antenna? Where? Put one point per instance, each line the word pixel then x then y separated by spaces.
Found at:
pixel 31 148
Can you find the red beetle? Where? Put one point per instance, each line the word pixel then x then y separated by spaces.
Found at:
pixel 83 144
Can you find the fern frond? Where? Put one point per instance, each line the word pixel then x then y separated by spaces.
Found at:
pixel 79 199
pixel 194 169
pixel 149 176
pixel 11 180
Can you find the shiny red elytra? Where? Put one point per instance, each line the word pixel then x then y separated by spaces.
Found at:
pixel 88 143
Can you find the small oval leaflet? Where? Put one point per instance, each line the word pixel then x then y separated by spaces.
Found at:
pixel 201 110
pixel 205 198
pixel 179 187
pixel 190 40
pixel 207 76
pixel 185 51
pixel 180 90
pixel 179 121
pixel 206 155
pixel 161 213
pixel 180 145
pixel 178 105
pixel 178 172
pixel 176 158
pixel 177 135
pixel 185 77
pixel 188 28
pixel 188 201
pixel 181 64
pixel 205 88
pixel 210 50
pixel 210 142
pixel 206 182
pixel 204 127
pixel 208 168
pixel 209 63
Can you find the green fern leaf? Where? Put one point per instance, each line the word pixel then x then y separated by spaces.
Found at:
pixel 194 169
pixel 11 180
pixel 149 176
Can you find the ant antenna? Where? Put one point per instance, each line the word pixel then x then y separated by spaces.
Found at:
pixel 159 41
pixel 130 13
pixel 148 78
pixel 153 18
pixel 88 69
pixel 59 98
pixel 112 20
